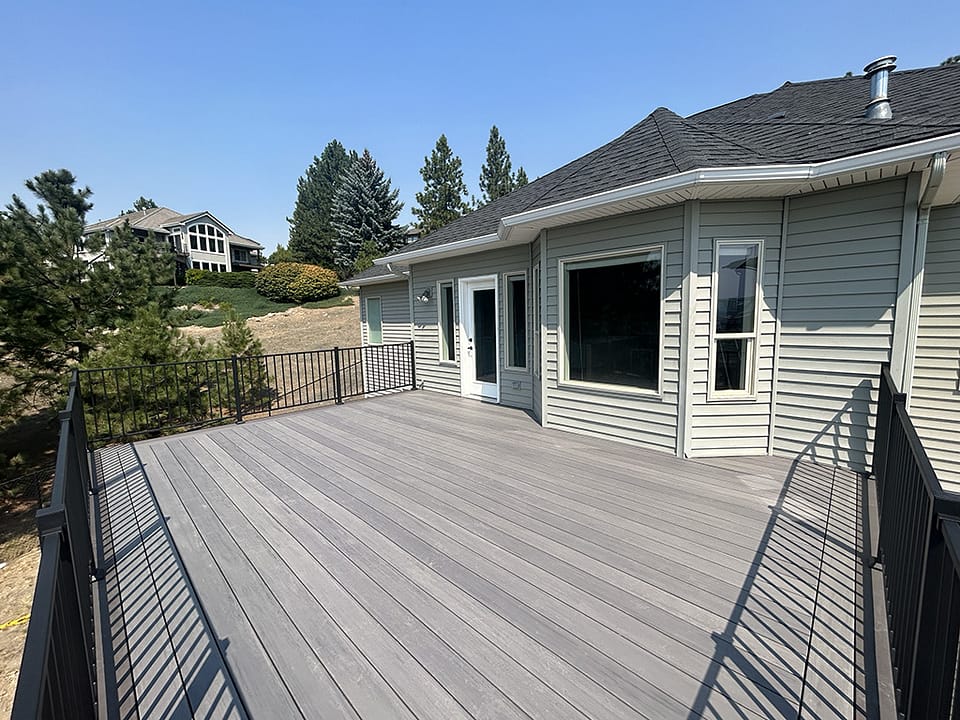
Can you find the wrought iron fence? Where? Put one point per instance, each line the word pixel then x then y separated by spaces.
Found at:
pixel 124 403
pixel 919 540
pixel 58 671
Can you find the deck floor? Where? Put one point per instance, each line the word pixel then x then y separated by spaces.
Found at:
pixel 421 556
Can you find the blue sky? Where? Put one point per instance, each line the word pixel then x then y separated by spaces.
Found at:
pixel 221 106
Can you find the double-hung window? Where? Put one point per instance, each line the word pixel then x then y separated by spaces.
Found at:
pixel 536 319
pixel 445 322
pixel 516 320
pixel 612 319
pixel 736 293
pixel 374 322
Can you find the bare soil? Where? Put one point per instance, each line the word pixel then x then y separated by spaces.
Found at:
pixel 17 579
pixel 298 329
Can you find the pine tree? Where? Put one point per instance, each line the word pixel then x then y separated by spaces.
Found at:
pixel 311 229
pixel 520 179
pixel 496 179
pixel 60 291
pixel 364 215
pixel 143 203
pixel 952 60
pixel 442 199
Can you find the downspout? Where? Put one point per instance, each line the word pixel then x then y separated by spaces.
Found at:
pixel 938 166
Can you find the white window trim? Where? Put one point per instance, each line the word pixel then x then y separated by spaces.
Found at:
pixel 750 393
pixel 535 321
pixel 452 362
pixel 623 256
pixel 507 314
pixel 366 318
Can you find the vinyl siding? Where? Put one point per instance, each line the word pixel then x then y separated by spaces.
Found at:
pixel 395 321
pixel 734 427
pixel 839 291
pixel 626 416
pixel 935 397
pixel 516 387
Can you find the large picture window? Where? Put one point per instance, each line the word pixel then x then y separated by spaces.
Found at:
pixel 374 322
pixel 517 321
pixel 736 289
pixel 445 320
pixel 612 319
pixel 205 237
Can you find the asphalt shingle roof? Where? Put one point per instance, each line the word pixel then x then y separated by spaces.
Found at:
pixel 375 271
pixel 797 123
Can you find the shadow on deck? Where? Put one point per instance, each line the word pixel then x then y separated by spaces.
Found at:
pixel 424 556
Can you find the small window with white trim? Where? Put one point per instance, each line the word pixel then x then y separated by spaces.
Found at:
pixel 517 321
pixel 613 319
pixel 536 319
pixel 736 294
pixel 445 323
pixel 374 322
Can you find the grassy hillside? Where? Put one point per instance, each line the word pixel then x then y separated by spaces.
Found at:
pixel 206 304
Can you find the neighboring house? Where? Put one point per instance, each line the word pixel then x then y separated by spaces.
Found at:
pixel 199 239
pixel 729 283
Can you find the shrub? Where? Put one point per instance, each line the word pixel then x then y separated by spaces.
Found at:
pixel 208 278
pixel 296 282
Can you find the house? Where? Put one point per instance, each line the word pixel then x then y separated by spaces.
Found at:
pixel 729 283
pixel 199 239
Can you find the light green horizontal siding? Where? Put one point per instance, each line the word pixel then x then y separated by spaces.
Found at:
pixel 935 397
pixel 734 427
pixel 839 291
pixel 646 420
pixel 395 321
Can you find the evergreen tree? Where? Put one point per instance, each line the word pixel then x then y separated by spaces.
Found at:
pixel 442 199
pixel 520 179
pixel 143 203
pixel 281 254
pixel 952 60
pixel 60 291
pixel 496 179
pixel 364 215
pixel 311 229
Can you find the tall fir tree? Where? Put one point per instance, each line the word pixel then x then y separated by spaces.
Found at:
pixel 496 178
pixel 311 229
pixel 364 216
pixel 60 291
pixel 442 199
pixel 520 179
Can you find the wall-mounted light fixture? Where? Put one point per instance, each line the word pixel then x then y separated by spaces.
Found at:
pixel 425 296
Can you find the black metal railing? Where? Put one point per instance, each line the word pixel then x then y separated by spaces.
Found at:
pixel 918 543
pixel 58 669
pixel 124 403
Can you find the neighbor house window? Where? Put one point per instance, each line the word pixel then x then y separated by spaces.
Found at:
pixel 196 265
pixel 445 319
pixel 374 322
pixel 205 236
pixel 612 319
pixel 193 242
pixel 536 319
pixel 223 268
pixel 736 289
pixel 517 321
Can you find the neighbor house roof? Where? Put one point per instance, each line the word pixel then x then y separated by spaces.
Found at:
pixel 241 241
pixel 372 276
pixel 798 123
pixel 159 220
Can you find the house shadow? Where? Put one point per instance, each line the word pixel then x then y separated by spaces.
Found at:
pixel 160 655
pixel 810 564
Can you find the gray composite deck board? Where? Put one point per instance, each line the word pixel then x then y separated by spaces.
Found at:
pixel 423 556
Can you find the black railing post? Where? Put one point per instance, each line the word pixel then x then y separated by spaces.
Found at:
pixel 337 389
pixel 236 388
pixel 413 367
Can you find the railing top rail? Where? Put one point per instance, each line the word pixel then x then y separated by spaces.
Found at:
pixel 90 371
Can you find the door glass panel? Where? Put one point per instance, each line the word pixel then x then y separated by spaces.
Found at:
pixel 485 335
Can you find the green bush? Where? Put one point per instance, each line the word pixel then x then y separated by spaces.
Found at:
pixel 297 282
pixel 208 278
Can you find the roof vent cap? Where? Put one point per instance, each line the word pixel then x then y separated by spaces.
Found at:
pixel 879 73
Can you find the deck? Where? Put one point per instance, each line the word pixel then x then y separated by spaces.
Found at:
pixel 421 556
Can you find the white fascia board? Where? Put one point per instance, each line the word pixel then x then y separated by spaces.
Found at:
pixel 378 280
pixel 448 249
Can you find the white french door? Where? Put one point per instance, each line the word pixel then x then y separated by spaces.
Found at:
pixel 479 344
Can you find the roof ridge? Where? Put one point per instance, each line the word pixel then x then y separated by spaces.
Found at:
pixel 667 115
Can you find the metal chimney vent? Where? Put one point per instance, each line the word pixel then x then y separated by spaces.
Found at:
pixel 879 73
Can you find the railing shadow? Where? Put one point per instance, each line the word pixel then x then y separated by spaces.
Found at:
pixel 160 653
pixel 811 548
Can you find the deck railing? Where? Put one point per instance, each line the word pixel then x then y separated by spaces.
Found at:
pixel 124 403
pixel 919 549
pixel 58 670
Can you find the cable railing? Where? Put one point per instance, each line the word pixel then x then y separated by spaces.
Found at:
pixel 919 550
pixel 138 401
pixel 58 669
